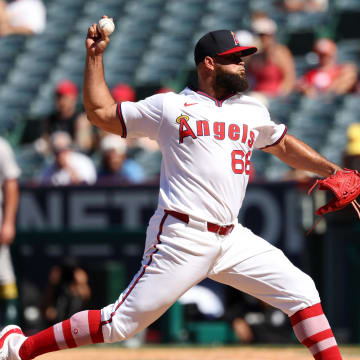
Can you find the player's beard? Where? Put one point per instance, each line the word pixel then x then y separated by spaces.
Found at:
pixel 230 82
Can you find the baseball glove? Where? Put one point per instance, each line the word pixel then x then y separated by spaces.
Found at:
pixel 345 185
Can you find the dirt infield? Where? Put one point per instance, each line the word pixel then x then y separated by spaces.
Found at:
pixel 176 353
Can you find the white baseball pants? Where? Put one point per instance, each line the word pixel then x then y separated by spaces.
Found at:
pixel 178 256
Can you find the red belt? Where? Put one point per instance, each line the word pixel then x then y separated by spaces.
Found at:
pixel 215 228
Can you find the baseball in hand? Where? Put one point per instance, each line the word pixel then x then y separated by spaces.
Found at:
pixel 107 25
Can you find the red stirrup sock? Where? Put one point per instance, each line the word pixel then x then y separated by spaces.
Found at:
pixel 81 329
pixel 313 330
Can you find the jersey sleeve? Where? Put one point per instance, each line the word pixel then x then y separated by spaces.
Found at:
pixel 270 133
pixel 142 118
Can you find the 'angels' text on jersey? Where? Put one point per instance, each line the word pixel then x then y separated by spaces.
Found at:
pixel 219 130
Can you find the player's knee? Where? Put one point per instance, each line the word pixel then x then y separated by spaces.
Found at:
pixel 120 323
pixel 123 321
pixel 305 295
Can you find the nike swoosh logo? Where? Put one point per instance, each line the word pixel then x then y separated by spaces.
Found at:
pixel 187 104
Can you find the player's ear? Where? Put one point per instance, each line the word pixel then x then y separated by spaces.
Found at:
pixel 209 63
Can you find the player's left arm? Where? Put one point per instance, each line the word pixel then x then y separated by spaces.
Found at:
pixel 299 155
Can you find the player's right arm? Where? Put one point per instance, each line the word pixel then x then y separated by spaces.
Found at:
pixel 99 105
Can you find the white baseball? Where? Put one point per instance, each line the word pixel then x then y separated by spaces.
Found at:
pixel 107 25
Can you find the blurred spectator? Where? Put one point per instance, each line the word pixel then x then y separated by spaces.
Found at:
pixel 23 17
pixel 329 77
pixel 164 89
pixel 305 5
pixel 85 135
pixel 247 38
pixel 123 92
pixel 202 303
pixel 70 167
pixel 9 197
pixel 65 117
pixel 254 321
pixel 351 158
pixel 272 69
pixel 67 292
pixel 298 175
pixel 147 154
pixel 115 167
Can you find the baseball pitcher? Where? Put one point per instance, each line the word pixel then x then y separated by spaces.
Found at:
pixel 207 136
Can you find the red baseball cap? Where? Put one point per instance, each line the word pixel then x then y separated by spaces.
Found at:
pixel 163 90
pixel 67 87
pixel 123 92
pixel 220 42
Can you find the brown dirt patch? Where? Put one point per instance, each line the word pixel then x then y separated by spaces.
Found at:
pixel 176 353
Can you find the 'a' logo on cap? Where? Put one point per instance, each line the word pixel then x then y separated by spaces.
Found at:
pixel 236 41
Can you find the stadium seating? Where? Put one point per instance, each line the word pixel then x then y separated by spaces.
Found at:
pixel 153 46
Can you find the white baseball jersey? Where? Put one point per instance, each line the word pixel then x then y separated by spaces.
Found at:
pixel 206 146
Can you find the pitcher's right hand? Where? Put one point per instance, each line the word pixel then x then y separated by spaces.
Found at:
pixel 96 42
